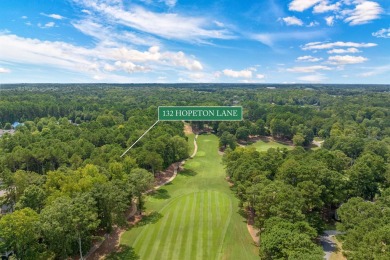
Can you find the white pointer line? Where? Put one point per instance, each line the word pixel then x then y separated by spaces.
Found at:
pixel 139 138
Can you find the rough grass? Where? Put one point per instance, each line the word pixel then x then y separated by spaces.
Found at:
pixel 199 215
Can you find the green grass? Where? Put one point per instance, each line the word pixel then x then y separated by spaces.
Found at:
pixel 196 216
pixel 191 145
pixel 263 146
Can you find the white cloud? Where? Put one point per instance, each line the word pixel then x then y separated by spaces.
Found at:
pixel 364 12
pixel 312 24
pixel 308 69
pixel 54 16
pixel 324 7
pixel 315 78
pixel 170 3
pixel 238 74
pixel 109 36
pixel 292 20
pixel 219 24
pixel 47 25
pixel 130 67
pixel 197 76
pixel 354 12
pixel 376 71
pixel 340 51
pixel 4 70
pixel 270 39
pixel 329 20
pixel 109 68
pixel 346 59
pixel 302 5
pixel 180 59
pixel 382 33
pixel 166 25
pixel 330 45
pixel 24 17
pixel 86 11
pixel 308 58
pixel 260 76
pixel 91 60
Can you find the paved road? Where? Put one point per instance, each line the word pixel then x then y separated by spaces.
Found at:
pixel 327 244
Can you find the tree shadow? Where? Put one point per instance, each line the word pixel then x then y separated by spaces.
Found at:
pixel 125 252
pixel 243 213
pixel 188 172
pixel 161 194
pixel 151 218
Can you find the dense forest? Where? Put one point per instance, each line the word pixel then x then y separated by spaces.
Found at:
pixel 66 183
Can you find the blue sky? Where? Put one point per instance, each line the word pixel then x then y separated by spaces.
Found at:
pixel 124 41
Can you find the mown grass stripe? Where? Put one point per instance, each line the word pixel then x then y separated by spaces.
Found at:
pixel 210 224
pixel 230 239
pixel 191 224
pixel 181 232
pixel 167 249
pixel 226 225
pixel 199 242
pixel 147 233
pixel 173 251
pixel 217 208
pixel 150 254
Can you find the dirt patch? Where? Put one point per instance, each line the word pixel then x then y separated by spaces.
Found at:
pixel 187 129
pixel 253 232
pixel 251 229
pixel 111 241
pixel 338 254
pixel 165 176
pixel 231 184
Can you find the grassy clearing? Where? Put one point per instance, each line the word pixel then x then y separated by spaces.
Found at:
pixel 194 217
pixel 263 146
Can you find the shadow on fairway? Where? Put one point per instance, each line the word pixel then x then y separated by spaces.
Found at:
pixel 161 194
pixel 152 218
pixel 188 172
pixel 125 253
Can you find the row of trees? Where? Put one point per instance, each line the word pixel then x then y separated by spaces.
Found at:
pixel 293 195
pixel 58 214
pixel 67 155
pixel 63 174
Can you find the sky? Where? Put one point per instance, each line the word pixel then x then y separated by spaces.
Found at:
pixel 182 41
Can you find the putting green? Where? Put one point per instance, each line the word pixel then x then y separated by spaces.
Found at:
pixel 194 217
pixel 263 146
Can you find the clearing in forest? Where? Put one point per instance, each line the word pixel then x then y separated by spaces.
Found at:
pixel 194 217
pixel 263 146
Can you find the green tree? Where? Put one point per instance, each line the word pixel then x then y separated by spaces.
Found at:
pixel 298 140
pixel 19 232
pixel 67 222
pixel 242 133
pixel 227 139
pixel 179 147
pixel 33 197
pixel 112 202
pixel 284 240
pixel 140 180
